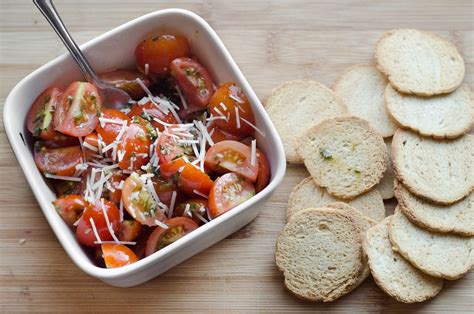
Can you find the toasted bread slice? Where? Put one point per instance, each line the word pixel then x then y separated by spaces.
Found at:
pixel 442 116
pixel 386 184
pixel 319 252
pixel 344 155
pixel 392 273
pixel 307 194
pixel 362 88
pixel 441 255
pixel 438 170
pixel 420 63
pixel 296 106
pixel 456 218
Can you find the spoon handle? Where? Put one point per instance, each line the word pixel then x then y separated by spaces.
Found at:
pixel 49 11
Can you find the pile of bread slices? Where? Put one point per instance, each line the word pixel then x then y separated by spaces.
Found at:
pixel 397 128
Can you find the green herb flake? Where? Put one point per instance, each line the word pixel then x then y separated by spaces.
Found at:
pixel 325 154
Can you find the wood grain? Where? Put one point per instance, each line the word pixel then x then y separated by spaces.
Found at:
pixel 272 41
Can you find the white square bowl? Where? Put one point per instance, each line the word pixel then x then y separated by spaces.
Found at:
pixel 112 50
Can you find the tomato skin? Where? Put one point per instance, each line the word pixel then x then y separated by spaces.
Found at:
pixel 126 81
pixel 117 255
pixel 84 232
pixel 227 192
pixel 159 51
pixel 154 112
pixel 232 156
pixel 110 130
pixel 169 169
pixel 129 230
pixel 193 80
pixel 177 228
pixel 168 150
pixel 164 188
pixel 196 205
pixel 134 142
pixel 40 116
pixel 57 161
pixel 226 94
pixel 192 179
pixel 77 111
pixel 219 135
pixel 60 140
pixel 263 171
pixel 70 208
pixel 139 203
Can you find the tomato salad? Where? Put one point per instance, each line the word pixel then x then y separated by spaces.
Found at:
pixel 132 181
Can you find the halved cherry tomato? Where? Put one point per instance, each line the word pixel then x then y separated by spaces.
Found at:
pixel 70 207
pixel 263 176
pixel 232 156
pixel 227 192
pixel 84 231
pixel 57 161
pixel 117 255
pixel 164 188
pixel 139 202
pixel 177 228
pixel 193 80
pixel 196 206
pixel 110 131
pixel 64 188
pixel 126 81
pixel 159 51
pixel 129 230
pixel 134 146
pixel 192 180
pixel 78 111
pixel 168 148
pixel 39 120
pixel 60 140
pixel 226 100
pixel 219 135
pixel 169 169
pixel 148 111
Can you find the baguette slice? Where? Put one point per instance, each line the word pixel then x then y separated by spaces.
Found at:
pixel 362 88
pixel 441 171
pixel 307 194
pixel 392 273
pixel 344 155
pixel 296 106
pixel 456 218
pixel 386 184
pixel 319 253
pixel 441 255
pixel 420 63
pixel 443 116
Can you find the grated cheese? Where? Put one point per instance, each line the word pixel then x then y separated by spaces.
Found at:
pixel 161 224
pixel 253 126
pixel 147 68
pixel 237 117
pixel 200 194
pixel 171 208
pixel 94 229
pixel 204 220
pixel 183 101
pixel 116 242
pixel 107 221
pixel 65 178
pixel 253 159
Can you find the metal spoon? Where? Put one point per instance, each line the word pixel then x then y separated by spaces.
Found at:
pixel 111 96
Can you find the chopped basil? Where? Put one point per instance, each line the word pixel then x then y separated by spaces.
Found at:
pixel 325 154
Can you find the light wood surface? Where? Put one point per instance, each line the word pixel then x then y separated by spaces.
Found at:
pixel 272 41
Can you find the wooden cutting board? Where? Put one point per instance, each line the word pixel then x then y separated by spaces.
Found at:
pixel 272 41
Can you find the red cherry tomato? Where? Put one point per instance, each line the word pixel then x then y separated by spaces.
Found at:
pixel 134 146
pixel 64 188
pixel 192 180
pixel 219 135
pixel 57 161
pixel 139 202
pixel 168 148
pixel 149 111
pixel 194 82
pixel 169 169
pixel 60 140
pixel 110 131
pixel 78 110
pixel 84 231
pixel 165 188
pixel 126 81
pixel 129 230
pixel 263 176
pixel 177 228
pixel 226 100
pixel 112 192
pixel 232 156
pixel 195 207
pixel 159 51
pixel 70 207
pixel 39 120
pixel 227 192
pixel 117 255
